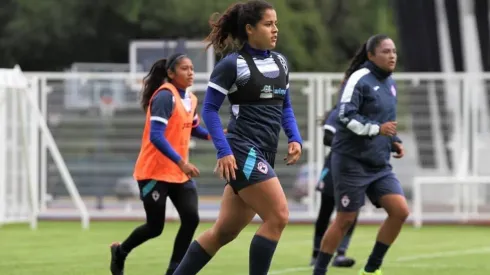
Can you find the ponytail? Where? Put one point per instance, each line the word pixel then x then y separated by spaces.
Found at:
pixel 356 62
pixel 151 82
pixel 224 30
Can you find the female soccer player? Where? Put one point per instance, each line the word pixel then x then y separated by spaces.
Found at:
pixel 256 83
pixel 361 150
pixel 162 168
pixel 327 205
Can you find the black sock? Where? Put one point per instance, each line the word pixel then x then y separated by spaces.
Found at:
pixel 321 264
pixel 376 258
pixel 194 260
pixel 261 253
pixel 140 235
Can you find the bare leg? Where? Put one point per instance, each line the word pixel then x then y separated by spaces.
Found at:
pixel 268 200
pixel 397 209
pixel 233 217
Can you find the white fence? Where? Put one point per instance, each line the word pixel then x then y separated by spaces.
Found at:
pixel 443 121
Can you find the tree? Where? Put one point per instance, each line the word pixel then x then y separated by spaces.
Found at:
pixel 315 35
pixel 350 23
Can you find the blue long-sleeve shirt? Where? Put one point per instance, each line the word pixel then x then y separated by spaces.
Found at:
pixel 367 101
pixel 161 109
pixel 233 71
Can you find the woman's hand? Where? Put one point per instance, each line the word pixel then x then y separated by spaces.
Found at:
pixel 388 129
pixel 400 151
pixel 294 153
pixel 189 169
pixel 225 167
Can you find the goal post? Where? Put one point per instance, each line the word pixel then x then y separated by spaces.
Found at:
pixel 21 126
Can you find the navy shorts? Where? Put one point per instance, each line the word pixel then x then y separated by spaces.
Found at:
pixel 254 165
pixel 325 183
pixel 354 180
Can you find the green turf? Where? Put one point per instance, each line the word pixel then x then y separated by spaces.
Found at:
pixel 63 248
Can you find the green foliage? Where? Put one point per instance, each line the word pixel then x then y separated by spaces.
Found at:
pixel 316 35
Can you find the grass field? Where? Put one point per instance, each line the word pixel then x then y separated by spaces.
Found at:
pixel 63 248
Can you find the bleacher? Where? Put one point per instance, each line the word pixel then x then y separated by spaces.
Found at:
pixel 100 153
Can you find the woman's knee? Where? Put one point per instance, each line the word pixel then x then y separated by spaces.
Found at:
pixel 224 235
pixel 396 207
pixel 279 219
pixel 344 220
pixel 401 213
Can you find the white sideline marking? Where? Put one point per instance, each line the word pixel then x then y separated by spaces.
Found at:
pixel 480 250
pixel 473 251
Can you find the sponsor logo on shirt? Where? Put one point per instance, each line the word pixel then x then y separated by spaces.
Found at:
pixel 268 91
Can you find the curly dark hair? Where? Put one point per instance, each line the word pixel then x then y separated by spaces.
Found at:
pixel 228 29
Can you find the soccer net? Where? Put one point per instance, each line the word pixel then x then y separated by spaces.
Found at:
pixel 22 130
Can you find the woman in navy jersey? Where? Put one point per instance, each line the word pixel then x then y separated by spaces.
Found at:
pixel 255 80
pixel 361 151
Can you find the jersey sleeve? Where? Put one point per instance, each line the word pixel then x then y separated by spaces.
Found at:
pixel 224 74
pixel 350 103
pixel 162 106
pixel 397 139
pixel 289 123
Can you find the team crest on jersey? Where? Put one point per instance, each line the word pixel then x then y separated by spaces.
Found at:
pixel 155 195
pixel 345 201
pixel 262 167
pixel 393 90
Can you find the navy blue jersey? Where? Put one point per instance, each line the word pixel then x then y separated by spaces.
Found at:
pixel 256 86
pixel 368 100
pixel 162 106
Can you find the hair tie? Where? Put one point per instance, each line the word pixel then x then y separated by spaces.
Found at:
pixel 174 60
